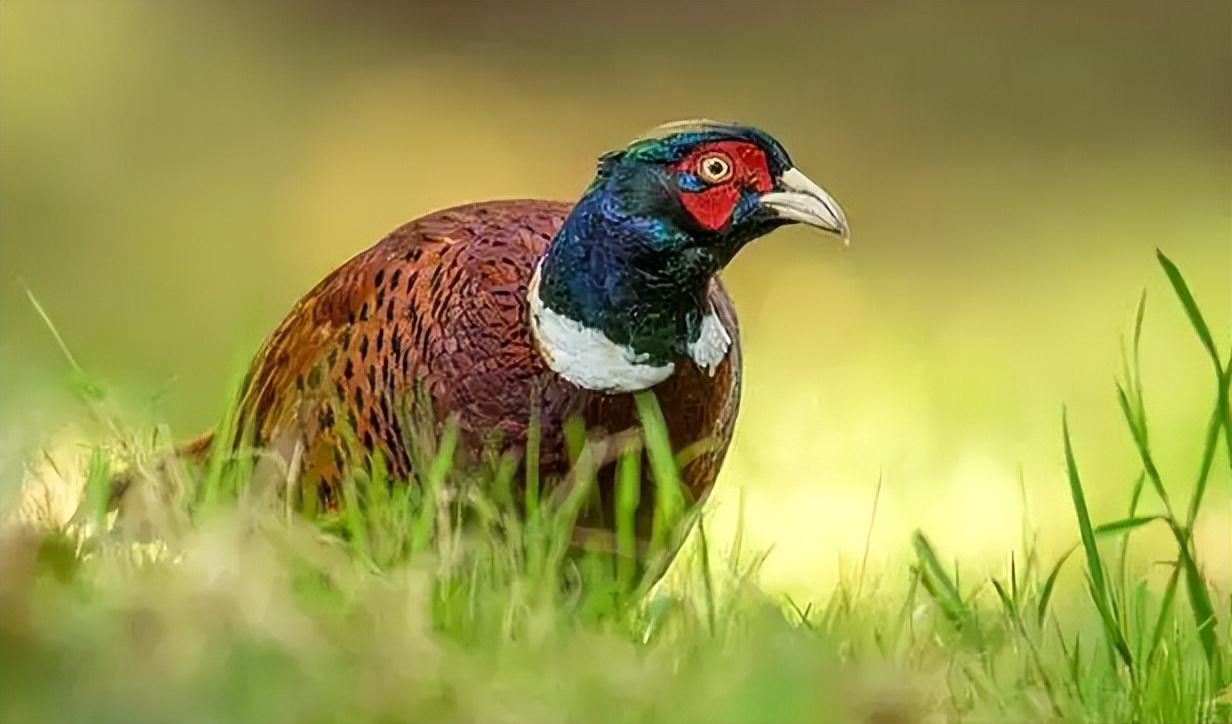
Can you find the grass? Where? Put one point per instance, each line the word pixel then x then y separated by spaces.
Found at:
pixel 458 597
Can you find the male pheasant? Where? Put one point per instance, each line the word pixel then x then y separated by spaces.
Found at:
pixel 503 311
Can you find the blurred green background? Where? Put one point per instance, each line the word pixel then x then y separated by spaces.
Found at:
pixel 175 175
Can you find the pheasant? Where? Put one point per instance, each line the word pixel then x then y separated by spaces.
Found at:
pixel 504 312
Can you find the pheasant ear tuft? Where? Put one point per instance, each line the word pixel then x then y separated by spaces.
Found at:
pixel 608 160
pixel 694 125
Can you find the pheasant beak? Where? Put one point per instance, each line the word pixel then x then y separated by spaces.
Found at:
pixel 797 198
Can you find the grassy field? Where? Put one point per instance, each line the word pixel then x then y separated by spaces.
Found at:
pixel 177 175
pixel 205 601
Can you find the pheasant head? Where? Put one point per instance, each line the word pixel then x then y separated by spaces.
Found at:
pixel 620 296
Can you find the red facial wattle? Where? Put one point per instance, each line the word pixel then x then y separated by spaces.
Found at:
pixel 712 206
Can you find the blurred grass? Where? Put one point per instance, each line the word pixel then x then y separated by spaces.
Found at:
pixel 209 604
pixel 176 174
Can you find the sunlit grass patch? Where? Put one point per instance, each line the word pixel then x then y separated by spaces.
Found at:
pixel 461 597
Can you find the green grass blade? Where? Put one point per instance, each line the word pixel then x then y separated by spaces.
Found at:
pixel 1133 360
pixel 1191 308
pixel 1007 601
pixel 1115 641
pixel 353 518
pixel 1085 529
pixel 669 493
pixel 51 327
pixel 1011 610
pixel 1134 498
pixel 582 485
pixel 1118 526
pixel 1097 581
pixel 502 481
pixel 1050 582
pixel 1126 524
pixel 424 525
pixel 803 614
pixel 1223 375
pixel 1138 431
pixel 1165 615
pixel 534 435
pixel 1227 408
pixel 1073 660
pixel 1209 446
pixel 736 551
pixel 902 621
pixel 98 486
pixel 628 495
pixel 1139 314
pixel 938 582
pixel 932 566
pixel 868 537
pixel 1203 610
pixel 575 438
pixel 707 576
pixel 220 449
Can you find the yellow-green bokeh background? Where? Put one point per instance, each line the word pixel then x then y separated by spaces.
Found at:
pixel 173 175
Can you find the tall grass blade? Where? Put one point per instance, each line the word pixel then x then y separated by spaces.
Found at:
pixel 582 485
pixel 669 495
pixel 1223 377
pixel 534 434
pixel 424 525
pixel 1050 582
pixel 220 450
pixel 98 486
pixel 1227 408
pixel 1011 610
pixel 1223 373
pixel 51 327
pixel 1134 498
pixel 1116 526
pixel 1138 431
pixel 1098 584
pixel 1203 609
pixel 903 620
pixel 1165 615
pixel 938 583
pixel 1073 658
pixel 1209 446
pixel 736 552
pixel 628 496
pixel 1191 309
pixel 1126 524
pixel 353 518
pixel 1085 529
pixel 707 576
pixel 868 537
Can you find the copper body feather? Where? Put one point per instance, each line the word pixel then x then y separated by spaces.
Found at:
pixel 439 306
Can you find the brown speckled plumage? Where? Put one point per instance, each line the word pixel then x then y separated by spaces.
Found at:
pixel 440 306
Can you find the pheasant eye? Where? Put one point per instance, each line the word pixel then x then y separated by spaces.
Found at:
pixel 714 168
